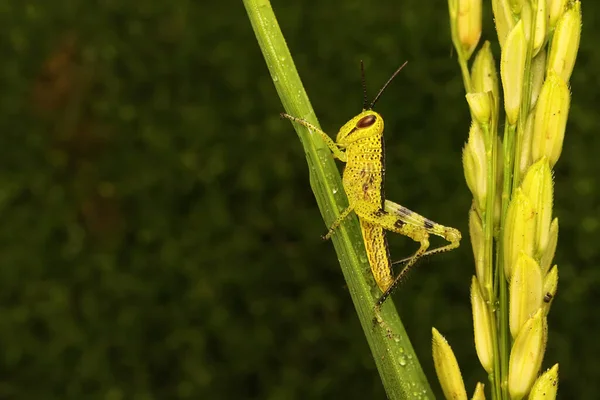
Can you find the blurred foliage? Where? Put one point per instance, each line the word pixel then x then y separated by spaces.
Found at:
pixel 159 238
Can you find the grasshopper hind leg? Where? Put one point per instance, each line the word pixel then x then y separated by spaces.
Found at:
pixel 451 235
pixel 410 263
pixel 336 224
pixel 401 220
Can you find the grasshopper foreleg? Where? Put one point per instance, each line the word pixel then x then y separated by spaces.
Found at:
pixel 335 149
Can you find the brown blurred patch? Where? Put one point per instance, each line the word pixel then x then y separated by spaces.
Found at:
pixel 55 83
pixel 101 216
pixel 61 96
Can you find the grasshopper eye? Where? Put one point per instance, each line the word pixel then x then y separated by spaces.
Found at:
pixel 366 122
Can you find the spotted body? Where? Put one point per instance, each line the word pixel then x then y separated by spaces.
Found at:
pixel 363 181
pixel 359 143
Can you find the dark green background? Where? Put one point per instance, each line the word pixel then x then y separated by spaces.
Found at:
pixel 159 239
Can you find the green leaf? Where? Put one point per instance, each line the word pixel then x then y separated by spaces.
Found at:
pixel 392 351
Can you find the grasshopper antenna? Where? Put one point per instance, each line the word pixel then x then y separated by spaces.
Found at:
pixel 386 85
pixel 364 84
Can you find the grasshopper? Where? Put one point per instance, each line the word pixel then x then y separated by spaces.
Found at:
pixel 360 145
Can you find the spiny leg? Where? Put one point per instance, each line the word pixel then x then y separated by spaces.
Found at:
pixel 399 219
pixel 441 249
pixel 337 222
pixel 337 153
pixel 410 217
pixel 335 149
pixel 451 235
pixel 424 244
pixel 398 224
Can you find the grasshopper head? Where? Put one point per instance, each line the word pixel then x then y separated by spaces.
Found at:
pixel 366 124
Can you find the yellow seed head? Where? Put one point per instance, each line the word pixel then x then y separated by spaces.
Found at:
pixel 525 293
pixel 475 165
pixel 537 185
pixel 482 324
pixel 469 25
pixel 538 73
pixel 527 18
pixel 519 233
pixel 516 6
pixel 565 42
pixel 526 355
pixel 551 115
pixel 534 12
pixel 477 242
pixel 539 35
pixel 548 254
pixel 512 67
pixel 556 8
pixel 479 393
pixel 453 10
pixel 503 18
pixel 546 386
pixel 549 289
pixel 484 77
pixel 447 368
pixel 481 106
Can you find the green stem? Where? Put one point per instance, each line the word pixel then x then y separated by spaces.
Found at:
pixel 488 227
pixel 509 160
pixel 464 69
pixel 490 133
pixel 393 353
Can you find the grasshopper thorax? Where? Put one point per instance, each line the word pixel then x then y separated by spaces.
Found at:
pixel 367 124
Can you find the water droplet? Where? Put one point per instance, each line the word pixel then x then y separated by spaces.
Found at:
pixel 335 191
pixel 275 79
pixel 402 361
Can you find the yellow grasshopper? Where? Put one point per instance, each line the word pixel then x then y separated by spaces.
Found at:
pixel 360 145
